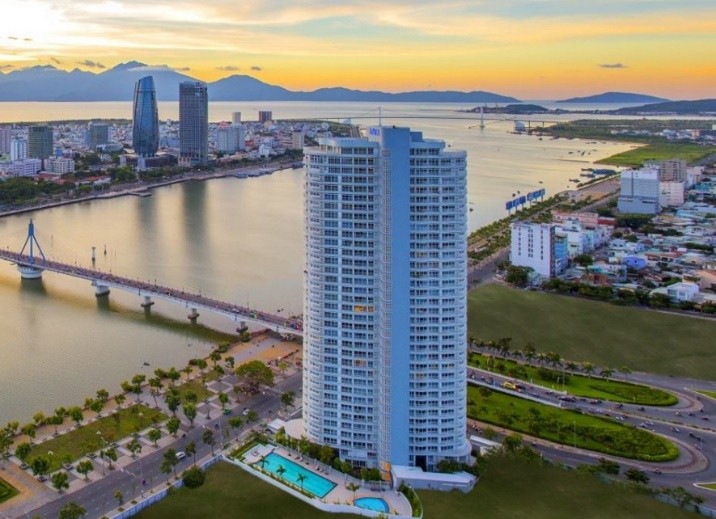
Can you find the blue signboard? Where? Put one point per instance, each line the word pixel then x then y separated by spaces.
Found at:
pixel 508 205
pixel 523 200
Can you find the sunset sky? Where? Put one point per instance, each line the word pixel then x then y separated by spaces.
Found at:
pixel 531 49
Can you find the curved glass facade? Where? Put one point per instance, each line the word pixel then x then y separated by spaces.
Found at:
pixel 145 133
pixel 385 299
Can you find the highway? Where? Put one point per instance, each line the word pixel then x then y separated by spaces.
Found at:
pixel 690 425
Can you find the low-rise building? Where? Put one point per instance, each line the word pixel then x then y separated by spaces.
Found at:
pixel 679 292
pixel 537 246
pixel 60 166
pixel 26 167
pixel 671 193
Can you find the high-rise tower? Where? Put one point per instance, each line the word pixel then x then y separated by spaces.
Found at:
pixel 385 299
pixel 145 135
pixel 193 123
pixel 39 142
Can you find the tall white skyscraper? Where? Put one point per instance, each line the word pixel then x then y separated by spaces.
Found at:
pixel 18 149
pixel 385 299
pixel 639 191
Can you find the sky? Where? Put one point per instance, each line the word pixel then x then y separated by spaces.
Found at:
pixel 530 49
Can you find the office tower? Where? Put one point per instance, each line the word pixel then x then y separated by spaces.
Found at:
pixel 265 116
pixel 18 149
pixel 39 142
pixel 193 123
pixel 639 191
pixel 5 140
pixel 385 299
pixel 297 139
pixel 97 135
pixel 236 117
pixel 673 170
pixel 230 139
pixel 145 130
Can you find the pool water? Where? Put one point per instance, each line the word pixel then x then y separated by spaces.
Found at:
pixel 313 483
pixel 372 503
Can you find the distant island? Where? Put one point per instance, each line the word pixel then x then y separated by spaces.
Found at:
pixel 48 83
pixel 614 97
pixel 700 106
pixel 511 109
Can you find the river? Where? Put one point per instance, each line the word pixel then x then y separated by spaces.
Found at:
pixel 234 239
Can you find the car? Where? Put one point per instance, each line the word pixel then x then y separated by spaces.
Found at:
pixel 227 411
pixel 245 412
pixel 705 418
pixel 181 455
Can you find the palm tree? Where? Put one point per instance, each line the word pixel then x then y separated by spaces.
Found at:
pixel 624 370
pixel 588 368
pixel 572 366
pixel 301 478
pixel 280 470
pixel 190 448
pixel 353 487
pixel 606 373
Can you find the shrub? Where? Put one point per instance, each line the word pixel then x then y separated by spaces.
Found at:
pixel 193 477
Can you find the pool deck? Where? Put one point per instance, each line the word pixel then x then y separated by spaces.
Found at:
pixel 397 502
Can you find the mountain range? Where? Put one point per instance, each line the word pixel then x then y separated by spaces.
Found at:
pixel 615 97
pixel 48 83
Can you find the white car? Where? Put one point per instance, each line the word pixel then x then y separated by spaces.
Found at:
pixel 181 455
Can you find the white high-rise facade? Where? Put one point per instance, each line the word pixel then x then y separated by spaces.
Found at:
pixel 18 149
pixel 385 299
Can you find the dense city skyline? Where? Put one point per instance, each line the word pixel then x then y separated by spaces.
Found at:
pixel 526 48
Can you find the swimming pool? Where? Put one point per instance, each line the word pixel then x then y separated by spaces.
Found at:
pixel 372 503
pixel 313 483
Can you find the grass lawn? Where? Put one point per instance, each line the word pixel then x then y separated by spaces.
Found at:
pixel 565 426
pixel 644 340
pixel 710 394
pixel 74 444
pixel 658 151
pixel 230 492
pixel 710 486
pixel 195 386
pixel 515 489
pixel 509 489
pixel 6 491
pixel 578 385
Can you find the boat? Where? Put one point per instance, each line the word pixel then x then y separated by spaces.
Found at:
pixel 146 363
pixel 574 180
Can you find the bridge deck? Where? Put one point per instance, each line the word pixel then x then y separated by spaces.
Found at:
pixel 277 322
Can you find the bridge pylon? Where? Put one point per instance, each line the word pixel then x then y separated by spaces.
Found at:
pixel 31 270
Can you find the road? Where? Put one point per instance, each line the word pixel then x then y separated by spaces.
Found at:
pixel 690 424
pixel 98 497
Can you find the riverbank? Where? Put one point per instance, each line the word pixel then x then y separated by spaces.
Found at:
pixel 143 188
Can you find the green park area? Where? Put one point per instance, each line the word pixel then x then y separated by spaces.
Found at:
pixel 567 426
pixel 196 387
pixel 641 339
pixel 6 490
pixel 94 436
pixel 710 394
pixel 544 492
pixel 577 385
pixel 710 486
pixel 658 150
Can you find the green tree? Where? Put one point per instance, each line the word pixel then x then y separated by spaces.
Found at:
pixel 215 357
pixel 190 449
pixel 155 386
pixel 236 423
pixel 97 405
pixel 173 425
pixel 154 435
pixel 637 476
pixel 193 477
pixel 40 465
pixel 208 438
pixel 134 446
pixel 39 418
pixel 518 276
pixel 301 478
pixel 169 462
pixel 223 400
pixel 120 399
pixel 280 470
pixel 22 451
pixel 253 374
pixel 72 511
pixel 111 456
pixel 173 375
pixel 29 430
pixel 353 487
pixel 190 412
pixel 173 401
pixel 76 415
pixel 583 260
pixel 60 480
pixel 84 467
pixel 287 398
pixel 252 416
pixel 683 497
pixel 512 443
pixel 103 395
pixel 119 496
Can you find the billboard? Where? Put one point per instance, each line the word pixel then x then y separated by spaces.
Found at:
pixel 515 203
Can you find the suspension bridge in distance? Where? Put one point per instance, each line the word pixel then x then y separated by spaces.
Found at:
pixel 31 263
